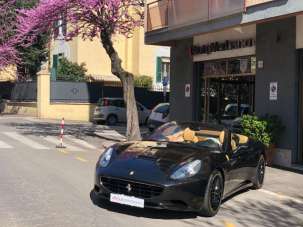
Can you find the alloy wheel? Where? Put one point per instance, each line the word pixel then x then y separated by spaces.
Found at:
pixel 261 171
pixel 216 193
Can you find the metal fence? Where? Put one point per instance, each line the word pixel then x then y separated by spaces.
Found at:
pixel 6 89
pixel 24 92
pixel 82 92
pixel 77 92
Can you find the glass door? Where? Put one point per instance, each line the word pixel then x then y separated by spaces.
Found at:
pixel 228 89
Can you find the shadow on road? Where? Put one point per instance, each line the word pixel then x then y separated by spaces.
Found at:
pixel 263 213
pixel 53 129
pixel 246 212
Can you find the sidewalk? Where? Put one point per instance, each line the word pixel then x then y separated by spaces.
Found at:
pixel 111 133
pixel 284 183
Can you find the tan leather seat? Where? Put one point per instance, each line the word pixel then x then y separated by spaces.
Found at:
pixel 232 142
pixel 190 136
pixel 242 139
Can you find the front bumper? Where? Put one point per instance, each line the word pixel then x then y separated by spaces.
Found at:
pixel 186 196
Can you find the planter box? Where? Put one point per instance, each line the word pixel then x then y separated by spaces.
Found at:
pixel 282 157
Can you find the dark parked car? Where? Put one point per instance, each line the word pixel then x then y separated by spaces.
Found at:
pixel 187 167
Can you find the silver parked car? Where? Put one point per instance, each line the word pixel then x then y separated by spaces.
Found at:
pixel 158 116
pixel 113 110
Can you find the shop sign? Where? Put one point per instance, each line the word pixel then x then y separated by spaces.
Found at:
pixel 273 91
pixel 187 90
pixel 222 46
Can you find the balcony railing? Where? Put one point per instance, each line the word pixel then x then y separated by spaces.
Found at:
pixel 176 13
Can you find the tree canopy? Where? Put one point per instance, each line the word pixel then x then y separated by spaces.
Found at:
pixel 89 19
pixel 27 59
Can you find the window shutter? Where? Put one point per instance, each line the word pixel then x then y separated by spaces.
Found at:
pixel 159 70
pixel 55 61
pixel 55 67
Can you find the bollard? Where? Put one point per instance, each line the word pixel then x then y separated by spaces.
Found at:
pixel 61 135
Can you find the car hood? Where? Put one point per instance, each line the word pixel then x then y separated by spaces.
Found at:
pixel 152 160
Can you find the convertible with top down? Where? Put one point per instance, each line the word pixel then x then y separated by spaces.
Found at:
pixel 185 167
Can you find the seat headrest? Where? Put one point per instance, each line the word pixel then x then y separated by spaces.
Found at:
pixel 221 137
pixel 243 139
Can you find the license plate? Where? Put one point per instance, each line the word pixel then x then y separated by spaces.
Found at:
pixel 127 200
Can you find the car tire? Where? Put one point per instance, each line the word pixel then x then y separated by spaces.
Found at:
pixel 213 195
pixel 260 174
pixel 112 120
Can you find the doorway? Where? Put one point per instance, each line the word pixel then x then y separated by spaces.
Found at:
pixel 228 89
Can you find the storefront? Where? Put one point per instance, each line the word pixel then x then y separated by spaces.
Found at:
pixel 249 69
pixel 227 73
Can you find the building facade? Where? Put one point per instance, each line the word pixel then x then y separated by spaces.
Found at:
pixel 8 74
pixel 138 58
pixel 230 57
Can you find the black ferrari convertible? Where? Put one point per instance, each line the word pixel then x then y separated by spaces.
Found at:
pixel 187 167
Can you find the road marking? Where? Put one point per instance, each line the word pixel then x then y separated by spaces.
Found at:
pixel 4 145
pixel 25 140
pixel 282 197
pixel 228 224
pixel 56 141
pixel 63 151
pixel 81 159
pixel 81 142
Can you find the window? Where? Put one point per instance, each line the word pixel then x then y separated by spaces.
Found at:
pixel 119 103
pixel 235 66
pixel 60 28
pixel 163 69
pixel 162 109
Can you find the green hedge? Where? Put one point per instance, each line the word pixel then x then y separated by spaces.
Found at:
pixel 143 81
pixel 266 129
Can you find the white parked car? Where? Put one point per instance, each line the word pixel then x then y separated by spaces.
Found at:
pixel 158 116
pixel 113 110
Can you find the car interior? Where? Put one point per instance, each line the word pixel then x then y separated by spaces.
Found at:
pixel 207 137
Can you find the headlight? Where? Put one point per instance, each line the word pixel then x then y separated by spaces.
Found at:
pixel 106 156
pixel 187 170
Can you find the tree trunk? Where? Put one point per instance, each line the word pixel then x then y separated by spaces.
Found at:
pixel 127 79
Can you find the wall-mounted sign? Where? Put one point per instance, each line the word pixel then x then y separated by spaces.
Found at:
pixel 260 64
pixel 273 91
pixel 187 90
pixel 222 46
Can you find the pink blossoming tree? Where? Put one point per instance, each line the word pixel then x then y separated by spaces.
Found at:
pixel 91 19
pixel 8 54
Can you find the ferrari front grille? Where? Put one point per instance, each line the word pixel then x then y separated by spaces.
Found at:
pixel 125 187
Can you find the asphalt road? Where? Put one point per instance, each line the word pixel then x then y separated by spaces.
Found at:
pixel 44 186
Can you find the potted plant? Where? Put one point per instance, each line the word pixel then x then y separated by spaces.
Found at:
pixel 275 129
pixel 266 129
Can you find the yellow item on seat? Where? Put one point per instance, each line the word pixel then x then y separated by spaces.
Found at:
pixel 221 137
pixel 190 136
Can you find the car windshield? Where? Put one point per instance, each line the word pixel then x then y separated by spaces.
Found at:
pixel 175 133
pixel 162 109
